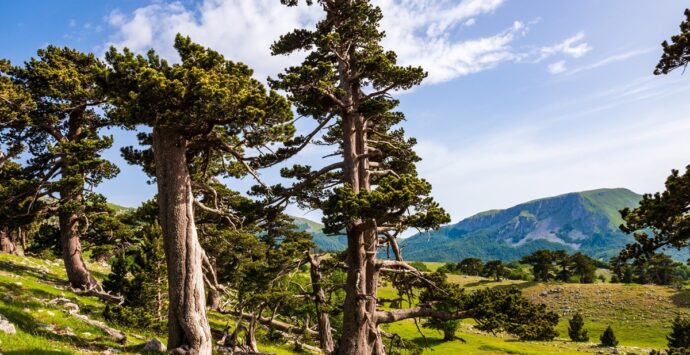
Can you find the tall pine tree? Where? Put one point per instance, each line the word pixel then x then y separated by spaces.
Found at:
pixel 205 113
pixel 61 137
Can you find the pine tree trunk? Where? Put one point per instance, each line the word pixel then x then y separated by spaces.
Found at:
pixel 22 238
pixel 360 332
pixel 213 299
pixel 77 273
pixel 326 342
pixel 188 327
pixel 6 243
pixel 251 335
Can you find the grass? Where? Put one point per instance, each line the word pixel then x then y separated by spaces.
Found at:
pixel 27 285
pixel 639 314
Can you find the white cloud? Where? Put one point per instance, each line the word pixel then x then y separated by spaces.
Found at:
pixel 570 46
pixel 619 57
pixel 509 168
pixel 470 22
pixel 557 67
pixel 243 30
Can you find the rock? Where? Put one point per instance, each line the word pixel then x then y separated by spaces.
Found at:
pixel 154 345
pixel 71 307
pixel 6 326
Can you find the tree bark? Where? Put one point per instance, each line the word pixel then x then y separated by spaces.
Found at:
pixel 22 238
pixel 251 335
pixel 188 328
pixel 78 275
pixel 360 333
pixel 319 296
pixel 7 245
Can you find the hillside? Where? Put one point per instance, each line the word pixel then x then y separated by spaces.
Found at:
pixel 30 287
pixel 323 242
pixel 581 221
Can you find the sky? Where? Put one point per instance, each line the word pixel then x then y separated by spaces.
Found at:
pixel 524 99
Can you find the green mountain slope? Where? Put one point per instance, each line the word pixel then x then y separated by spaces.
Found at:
pixel 326 243
pixel 581 221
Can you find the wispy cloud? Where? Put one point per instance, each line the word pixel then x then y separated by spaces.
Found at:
pixel 419 31
pixel 572 46
pixel 619 57
pixel 557 67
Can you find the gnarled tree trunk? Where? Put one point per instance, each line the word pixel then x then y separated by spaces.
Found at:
pixel 188 328
pixel 7 244
pixel 360 331
pixel 326 342
pixel 77 273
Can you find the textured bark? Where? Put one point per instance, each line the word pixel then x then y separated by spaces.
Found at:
pixel 22 238
pixel 417 312
pixel 7 244
pixel 188 328
pixel 251 335
pixel 360 333
pixel 319 296
pixel 78 275
pixel 213 299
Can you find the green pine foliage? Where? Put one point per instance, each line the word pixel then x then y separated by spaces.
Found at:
pixel 677 53
pixel 576 329
pixel 679 339
pixel 139 275
pixel 608 338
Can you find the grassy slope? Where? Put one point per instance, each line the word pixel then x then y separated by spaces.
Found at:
pixel 26 287
pixel 640 315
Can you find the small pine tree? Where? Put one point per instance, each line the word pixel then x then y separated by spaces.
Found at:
pixel 680 334
pixel 138 274
pixel 575 328
pixel 608 338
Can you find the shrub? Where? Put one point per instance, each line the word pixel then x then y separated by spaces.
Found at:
pixel 680 334
pixel 608 338
pixel 576 330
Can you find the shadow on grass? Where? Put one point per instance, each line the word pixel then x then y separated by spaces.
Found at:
pixel 30 325
pixel 681 298
pixel 25 270
pixel 36 351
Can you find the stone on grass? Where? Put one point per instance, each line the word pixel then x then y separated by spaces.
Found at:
pixel 6 326
pixel 154 345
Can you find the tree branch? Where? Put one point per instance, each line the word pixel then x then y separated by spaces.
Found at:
pixel 417 312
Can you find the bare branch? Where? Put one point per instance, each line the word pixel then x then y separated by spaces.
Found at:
pixel 417 312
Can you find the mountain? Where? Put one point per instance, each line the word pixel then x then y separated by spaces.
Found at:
pixel 580 221
pixel 326 243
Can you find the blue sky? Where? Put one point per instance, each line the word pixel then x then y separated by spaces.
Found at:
pixel 525 99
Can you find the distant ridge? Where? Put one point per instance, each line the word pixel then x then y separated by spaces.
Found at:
pixel 584 221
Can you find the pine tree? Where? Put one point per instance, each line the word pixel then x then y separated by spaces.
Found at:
pixel 494 269
pixel 608 338
pixel 576 329
pixel 138 273
pixel 205 113
pixel 676 54
pixel 61 134
pixel 583 267
pixel 345 83
pixel 542 264
pixel 679 339
pixel 470 266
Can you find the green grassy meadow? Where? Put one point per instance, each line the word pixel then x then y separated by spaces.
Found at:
pixel 639 314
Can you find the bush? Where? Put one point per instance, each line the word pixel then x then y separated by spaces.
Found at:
pixel 575 329
pixel 608 338
pixel 680 334
pixel 419 266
